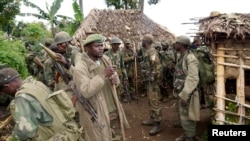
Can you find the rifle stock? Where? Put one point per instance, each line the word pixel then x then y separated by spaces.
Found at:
pixel 84 102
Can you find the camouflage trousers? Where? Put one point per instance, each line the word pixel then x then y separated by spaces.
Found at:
pixel 155 107
pixel 188 126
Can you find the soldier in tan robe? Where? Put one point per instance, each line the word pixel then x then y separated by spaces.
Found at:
pixel 94 77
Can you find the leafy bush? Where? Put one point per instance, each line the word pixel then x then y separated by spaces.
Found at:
pixel 13 53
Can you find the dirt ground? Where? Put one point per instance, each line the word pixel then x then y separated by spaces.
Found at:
pixel 136 112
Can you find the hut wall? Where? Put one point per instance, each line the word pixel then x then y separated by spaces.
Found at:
pixel 236 66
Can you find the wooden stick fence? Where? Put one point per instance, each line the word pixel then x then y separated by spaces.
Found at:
pixel 220 83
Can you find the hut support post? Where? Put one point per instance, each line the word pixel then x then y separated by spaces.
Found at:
pixel 220 85
pixel 241 89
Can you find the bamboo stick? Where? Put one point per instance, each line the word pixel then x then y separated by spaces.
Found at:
pixel 234 49
pixel 246 57
pixel 220 86
pixel 232 113
pixel 241 88
pixel 5 122
pixel 234 65
pixel 228 99
pixel 225 56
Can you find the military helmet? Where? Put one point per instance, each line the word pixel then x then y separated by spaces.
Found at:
pixel 148 37
pixel 157 44
pixel 62 37
pixel 165 43
pixel 7 75
pixel 48 41
pixel 115 40
pixel 127 41
pixel 183 40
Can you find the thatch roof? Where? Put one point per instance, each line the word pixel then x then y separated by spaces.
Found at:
pixel 131 24
pixel 226 25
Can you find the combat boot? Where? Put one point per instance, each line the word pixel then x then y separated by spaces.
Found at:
pixel 156 129
pixel 181 138
pixel 134 97
pixel 189 139
pixel 149 122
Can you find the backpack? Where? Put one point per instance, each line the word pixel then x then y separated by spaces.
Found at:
pixel 58 105
pixel 206 66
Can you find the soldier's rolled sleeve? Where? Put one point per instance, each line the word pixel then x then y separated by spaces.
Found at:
pixel 26 115
pixel 192 78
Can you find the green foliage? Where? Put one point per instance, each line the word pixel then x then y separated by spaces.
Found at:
pixel 8 10
pixel 33 32
pixel 12 53
pixel 71 25
pixel 150 2
pixel 122 4
pixel 49 15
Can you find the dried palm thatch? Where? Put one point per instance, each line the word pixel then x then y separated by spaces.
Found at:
pixel 131 24
pixel 227 25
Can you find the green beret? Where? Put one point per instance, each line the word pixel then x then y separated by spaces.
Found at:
pixel 7 75
pixel 127 41
pixel 97 38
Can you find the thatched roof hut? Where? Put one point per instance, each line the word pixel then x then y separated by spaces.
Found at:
pixel 131 24
pixel 228 35
pixel 225 25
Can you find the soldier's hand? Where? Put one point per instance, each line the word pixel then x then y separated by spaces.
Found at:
pixel 125 82
pixel 60 59
pixel 170 66
pixel 184 103
pixel 135 55
pixel 114 79
pixel 109 71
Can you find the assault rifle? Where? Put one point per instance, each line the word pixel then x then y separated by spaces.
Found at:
pixel 85 103
pixel 127 92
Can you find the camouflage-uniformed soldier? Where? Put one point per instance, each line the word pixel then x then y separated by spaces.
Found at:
pixel 129 61
pixel 35 118
pixel 142 90
pixel 151 70
pixel 117 59
pixel 65 58
pixel 186 79
pixel 203 54
pixel 167 56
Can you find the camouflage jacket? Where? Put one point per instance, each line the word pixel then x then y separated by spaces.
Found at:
pixel 51 75
pixel 117 59
pixel 151 67
pixel 128 55
pixel 39 118
pixel 186 76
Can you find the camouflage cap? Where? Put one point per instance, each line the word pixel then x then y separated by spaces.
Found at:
pixel 148 37
pixel 7 75
pixel 97 38
pixel 127 41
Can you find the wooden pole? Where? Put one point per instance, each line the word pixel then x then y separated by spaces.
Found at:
pixel 119 113
pixel 220 85
pixel 135 67
pixel 241 89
